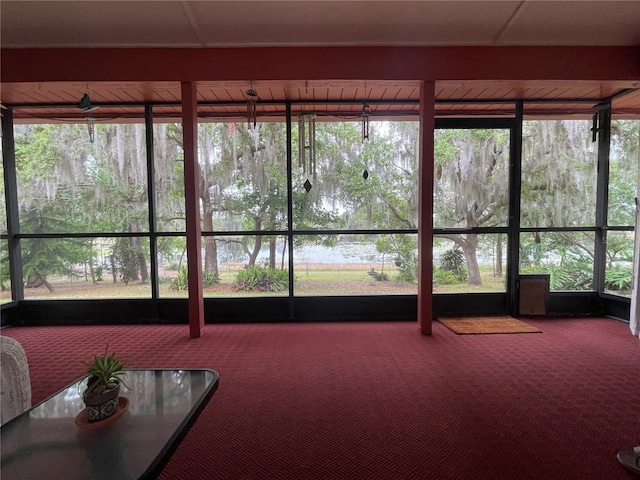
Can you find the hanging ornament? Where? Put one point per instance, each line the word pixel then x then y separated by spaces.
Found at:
pixel 252 98
pixel 86 106
pixel 307 145
pixel 307 185
pixel 366 111
pixel 91 128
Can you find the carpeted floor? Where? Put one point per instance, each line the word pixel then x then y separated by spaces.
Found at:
pixel 484 325
pixel 380 401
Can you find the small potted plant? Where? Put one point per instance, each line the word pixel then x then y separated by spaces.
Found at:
pixel 104 377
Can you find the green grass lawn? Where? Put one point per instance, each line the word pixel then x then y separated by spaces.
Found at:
pixel 309 280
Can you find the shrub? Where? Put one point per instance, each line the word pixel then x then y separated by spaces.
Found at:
pixel 452 260
pixel 181 281
pixel 571 276
pixel 444 277
pixel 209 278
pixel 261 279
pixel 618 278
pixel 407 268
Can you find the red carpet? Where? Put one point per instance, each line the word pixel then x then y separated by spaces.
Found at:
pixel 380 401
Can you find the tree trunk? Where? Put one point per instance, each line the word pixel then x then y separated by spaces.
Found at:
pixel 114 273
pixel 498 272
pixel 45 282
pixel 211 256
pixel 134 248
pixel 142 262
pixel 284 250
pixel 272 253
pixel 253 255
pixel 210 245
pixel 469 247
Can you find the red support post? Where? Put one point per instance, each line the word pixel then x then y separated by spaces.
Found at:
pixel 192 207
pixel 425 216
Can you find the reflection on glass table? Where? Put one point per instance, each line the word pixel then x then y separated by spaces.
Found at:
pixel 45 443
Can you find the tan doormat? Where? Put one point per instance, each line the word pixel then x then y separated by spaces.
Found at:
pixel 480 325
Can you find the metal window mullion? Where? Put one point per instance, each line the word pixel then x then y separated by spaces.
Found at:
pixel 11 205
pixel 603 112
pixel 289 141
pixel 151 201
pixel 515 192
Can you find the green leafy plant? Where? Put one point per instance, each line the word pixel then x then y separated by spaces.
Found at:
pixel 262 279
pixel 444 277
pixel 180 281
pixel 618 278
pixel 103 373
pixel 209 278
pixel 452 260
pixel 406 260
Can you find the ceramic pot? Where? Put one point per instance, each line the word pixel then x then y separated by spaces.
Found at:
pixel 102 405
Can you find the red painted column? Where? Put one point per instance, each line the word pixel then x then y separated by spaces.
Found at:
pixel 192 207
pixel 425 215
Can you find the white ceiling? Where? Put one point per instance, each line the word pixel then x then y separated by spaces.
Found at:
pixel 185 23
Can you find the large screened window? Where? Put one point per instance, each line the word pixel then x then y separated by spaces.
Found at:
pixel 319 204
pixel 243 208
pixel 68 184
pixel 168 167
pixel 83 209
pixel 470 204
pixel 355 206
pixel 624 159
pixel 558 201
pixel 559 174
pixel 243 194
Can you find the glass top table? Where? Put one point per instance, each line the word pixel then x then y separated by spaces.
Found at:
pixel 45 442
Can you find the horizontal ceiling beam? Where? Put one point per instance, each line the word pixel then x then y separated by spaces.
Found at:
pixel 314 63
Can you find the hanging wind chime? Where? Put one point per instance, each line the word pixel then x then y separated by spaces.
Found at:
pixel 91 128
pixel 86 106
pixel 366 111
pixel 252 98
pixel 307 147
pixel 307 143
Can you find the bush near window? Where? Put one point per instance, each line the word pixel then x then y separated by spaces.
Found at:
pixel 452 260
pixel 181 281
pixel 262 279
pixel 618 278
pixel 444 277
